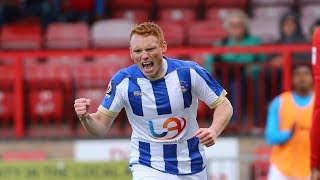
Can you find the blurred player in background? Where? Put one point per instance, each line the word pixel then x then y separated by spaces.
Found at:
pixel 315 130
pixel 160 96
pixel 288 128
pixel 313 28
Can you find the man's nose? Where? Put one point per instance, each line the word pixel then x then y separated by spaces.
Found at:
pixel 144 55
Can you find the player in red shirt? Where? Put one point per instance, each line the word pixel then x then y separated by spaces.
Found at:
pixel 315 130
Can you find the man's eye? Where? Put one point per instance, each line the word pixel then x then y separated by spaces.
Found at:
pixel 150 49
pixel 137 51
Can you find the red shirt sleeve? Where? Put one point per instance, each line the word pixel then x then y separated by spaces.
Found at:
pixel 315 130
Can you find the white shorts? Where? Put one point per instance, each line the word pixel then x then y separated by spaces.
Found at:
pixel 275 174
pixel 141 172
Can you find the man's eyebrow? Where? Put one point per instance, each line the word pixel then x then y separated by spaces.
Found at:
pixel 135 49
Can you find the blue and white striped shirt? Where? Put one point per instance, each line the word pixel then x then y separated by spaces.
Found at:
pixel 163 114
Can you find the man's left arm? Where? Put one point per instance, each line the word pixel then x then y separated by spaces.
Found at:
pixel 221 118
pixel 209 90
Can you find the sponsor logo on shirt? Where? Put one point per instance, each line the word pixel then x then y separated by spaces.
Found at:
pixel 170 129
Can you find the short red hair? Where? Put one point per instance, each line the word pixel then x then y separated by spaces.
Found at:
pixel 148 28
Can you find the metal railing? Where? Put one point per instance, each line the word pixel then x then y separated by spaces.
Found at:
pixel 18 85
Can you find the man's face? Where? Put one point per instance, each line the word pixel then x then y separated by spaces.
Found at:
pixel 147 53
pixel 236 28
pixel 302 79
pixel 289 27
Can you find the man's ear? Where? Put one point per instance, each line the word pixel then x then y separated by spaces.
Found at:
pixel 164 47
pixel 131 56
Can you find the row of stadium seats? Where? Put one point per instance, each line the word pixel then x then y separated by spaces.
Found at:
pixel 180 26
pixel 266 14
pixel 264 23
pixel 148 4
pixel 103 34
pixel 51 85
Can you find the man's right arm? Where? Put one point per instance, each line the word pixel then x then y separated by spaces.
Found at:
pixel 273 134
pixel 96 124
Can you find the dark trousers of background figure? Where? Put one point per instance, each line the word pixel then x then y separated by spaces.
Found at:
pixel 48 11
pixel 9 13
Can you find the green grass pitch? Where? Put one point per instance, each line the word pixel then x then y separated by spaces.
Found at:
pixel 66 170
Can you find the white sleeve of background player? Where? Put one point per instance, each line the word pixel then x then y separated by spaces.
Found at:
pixel 206 87
pixel 113 102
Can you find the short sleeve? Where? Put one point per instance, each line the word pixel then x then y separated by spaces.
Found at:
pixel 113 102
pixel 207 88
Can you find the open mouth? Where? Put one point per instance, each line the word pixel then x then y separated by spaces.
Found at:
pixel 147 65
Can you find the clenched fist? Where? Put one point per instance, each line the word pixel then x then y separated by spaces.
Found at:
pixel 81 106
pixel 206 136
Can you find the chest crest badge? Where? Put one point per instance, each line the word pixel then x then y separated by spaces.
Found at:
pixel 183 86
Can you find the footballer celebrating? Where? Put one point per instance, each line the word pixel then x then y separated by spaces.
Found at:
pixel 160 96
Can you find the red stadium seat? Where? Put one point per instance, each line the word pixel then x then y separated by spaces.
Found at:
pixel 302 2
pixel 267 29
pixel 6 113
pixel 21 37
pixel 311 10
pixel 177 4
pixel 111 33
pixel 6 105
pixel 235 3
pixel 199 58
pixel 265 23
pixel 7 77
pixel 113 61
pixel 6 61
pixel 306 23
pixel 65 60
pixel 9 61
pixel 270 13
pixel 48 76
pixel 33 61
pixel 136 15
pixel 67 36
pixel 92 75
pixel 46 104
pixel 49 94
pixel 310 13
pixel 218 14
pixel 186 15
pixel 172 54
pixel 174 33
pixel 205 33
pixel 136 4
